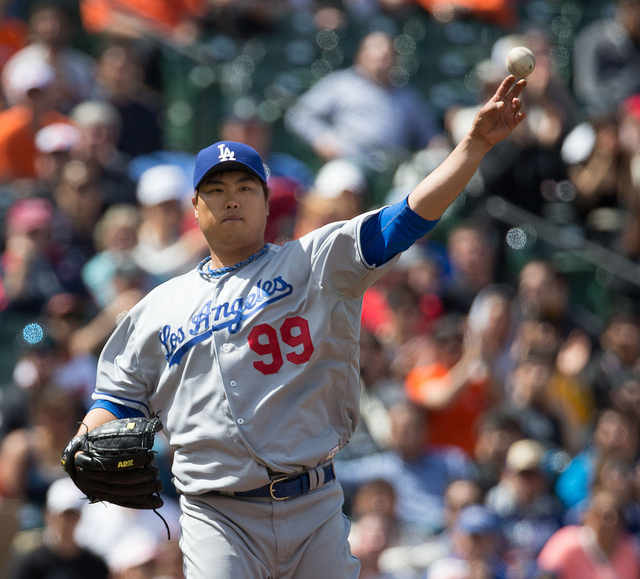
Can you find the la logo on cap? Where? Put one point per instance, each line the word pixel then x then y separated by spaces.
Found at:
pixel 226 154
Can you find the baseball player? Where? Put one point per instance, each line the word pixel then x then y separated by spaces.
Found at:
pixel 251 361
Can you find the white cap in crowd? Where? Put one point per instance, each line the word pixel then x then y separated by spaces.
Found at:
pixel 337 176
pixel 162 183
pixel 134 549
pixel 25 76
pixel 526 454
pixel 63 495
pixel 57 137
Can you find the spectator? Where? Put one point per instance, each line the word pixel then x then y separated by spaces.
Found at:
pixel 338 193
pixel 497 431
pixel 571 392
pixel 376 496
pixel 55 145
pixel 32 85
pixel 544 293
pixel 418 475
pixel 530 404
pixel 51 32
pixel 536 334
pixel 456 388
pixel 75 370
pixel 615 437
pixel 130 284
pixel 476 547
pixel 413 558
pixel 283 208
pixel 31 455
pixel 163 250
pixel 599 168
pixel 115 235
pixel 404 334
pixel 332 119
pixel 617 359
pixel 600 547
pixel 32 372
pixel 135 557
pixel 606 59
pixel 491 321
pixel 80 203
pixel 617 476
pixel 57 553
pixel 529 511
pixel 626 396
pixel 114 532
pixel 120 76
pixel 28 273
pixel 100 125
pixel 473 256
pixel 370 535
pixel 376 373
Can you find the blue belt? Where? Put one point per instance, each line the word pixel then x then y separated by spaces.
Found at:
pixel 284 487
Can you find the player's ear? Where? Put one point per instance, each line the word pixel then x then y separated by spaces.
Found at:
pixel 267 196
pixel 194 202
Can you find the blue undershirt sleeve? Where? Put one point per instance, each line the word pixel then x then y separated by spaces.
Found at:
pixel 118 410
pixel 392 230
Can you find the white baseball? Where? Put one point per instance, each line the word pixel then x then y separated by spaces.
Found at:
pixel 520 61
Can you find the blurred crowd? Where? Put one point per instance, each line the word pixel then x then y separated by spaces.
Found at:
pixel 500 359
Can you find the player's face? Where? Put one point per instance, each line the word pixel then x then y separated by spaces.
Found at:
pixel 231 209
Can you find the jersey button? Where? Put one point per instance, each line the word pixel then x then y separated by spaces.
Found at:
pixel 233 383
pixel 240 420
pixel 226 347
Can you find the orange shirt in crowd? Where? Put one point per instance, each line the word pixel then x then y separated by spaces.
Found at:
pixel 13 37
pixel 455 424
pixel 500 12
pixel 98 15
pixel 17 141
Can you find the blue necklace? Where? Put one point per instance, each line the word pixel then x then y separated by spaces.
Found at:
pixel 205 270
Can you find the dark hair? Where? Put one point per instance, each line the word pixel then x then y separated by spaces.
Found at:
pixel 265 188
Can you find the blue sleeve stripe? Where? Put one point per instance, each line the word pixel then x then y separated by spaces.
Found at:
pixel 97 396
pixel 392 230
pixel 118 410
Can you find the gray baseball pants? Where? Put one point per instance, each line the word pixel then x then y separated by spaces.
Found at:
pixel 233 538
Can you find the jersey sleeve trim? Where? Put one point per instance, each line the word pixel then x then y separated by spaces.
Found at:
pixel 122 401
pixel 392 230
pixel 118 410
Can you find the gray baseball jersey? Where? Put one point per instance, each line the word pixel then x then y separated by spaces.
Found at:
pixel 252 371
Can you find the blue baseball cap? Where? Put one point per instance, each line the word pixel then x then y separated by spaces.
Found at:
pixel 478 520
pixel 228 156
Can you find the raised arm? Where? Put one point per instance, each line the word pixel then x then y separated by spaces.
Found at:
pixel 493 123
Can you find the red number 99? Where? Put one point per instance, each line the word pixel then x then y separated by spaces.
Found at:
pixel 294 332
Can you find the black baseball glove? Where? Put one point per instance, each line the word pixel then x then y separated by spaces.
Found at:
pixel 114 463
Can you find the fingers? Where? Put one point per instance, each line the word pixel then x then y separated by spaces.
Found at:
pixel 509 89
pixel 517 89
pixel 505 87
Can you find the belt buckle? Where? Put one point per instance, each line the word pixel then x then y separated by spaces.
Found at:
pixel 272 490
